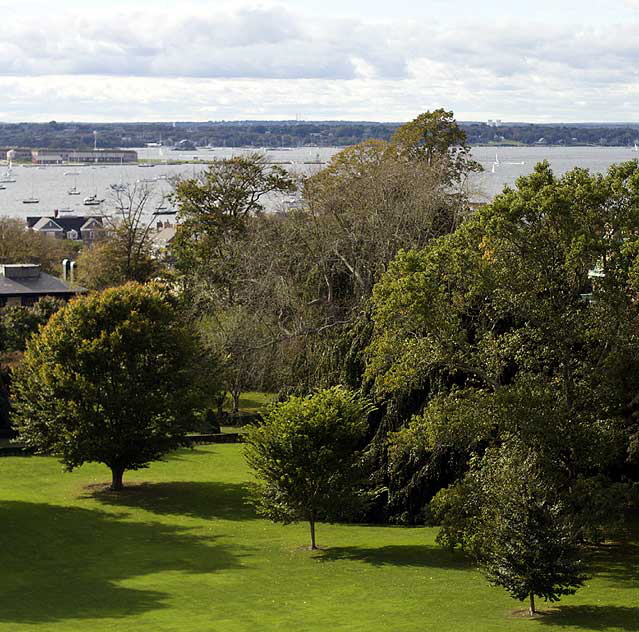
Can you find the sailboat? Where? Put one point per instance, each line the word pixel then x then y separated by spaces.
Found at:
pixel 74 189
pixel 7 176
pixel 32 199
pixel 495 164
pixel 635 148
pixel 93 200
pixel 120 186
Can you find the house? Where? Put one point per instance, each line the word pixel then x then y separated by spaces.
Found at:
pixel 162 239
pixel 25 284
pixel 86 228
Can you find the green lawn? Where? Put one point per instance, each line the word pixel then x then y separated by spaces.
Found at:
pixel 252 401
pixel 181 551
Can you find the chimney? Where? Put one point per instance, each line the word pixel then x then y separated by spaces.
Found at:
pixel 56 213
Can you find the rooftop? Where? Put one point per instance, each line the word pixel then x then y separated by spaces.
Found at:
pixel 27 278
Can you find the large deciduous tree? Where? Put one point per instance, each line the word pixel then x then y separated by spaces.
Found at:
pixel 215 209
pixel 436 138
pixel 525 322
pixel 112 378
pixel 305 456
pixel 307 273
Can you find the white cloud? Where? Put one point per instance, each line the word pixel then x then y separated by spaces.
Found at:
pixel 267 61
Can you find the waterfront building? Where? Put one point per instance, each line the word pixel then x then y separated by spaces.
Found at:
pixel 17 153
pixel 86 228
pixel 96 156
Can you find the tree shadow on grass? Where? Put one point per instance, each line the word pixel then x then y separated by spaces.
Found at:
pixel 593 617
pixel 398 555
pixel 618 562
pixel 227 501
pixel 59 563
pixel 182 454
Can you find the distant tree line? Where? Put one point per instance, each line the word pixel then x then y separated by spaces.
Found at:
pixel 277 134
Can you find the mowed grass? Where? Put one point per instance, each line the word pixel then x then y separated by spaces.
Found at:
pixel 252 401
pixel 181 551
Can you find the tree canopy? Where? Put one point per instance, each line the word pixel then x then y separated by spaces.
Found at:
pixel 112 378
pixel 436 138
pixel 526 313
pixel 305 455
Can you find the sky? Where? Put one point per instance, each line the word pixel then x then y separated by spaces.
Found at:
pixel 199 60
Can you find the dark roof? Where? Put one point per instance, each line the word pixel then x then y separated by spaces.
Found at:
pixel 43 284
pixel 66 222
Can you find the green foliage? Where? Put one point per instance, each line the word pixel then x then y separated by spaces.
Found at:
pixel 214 209
pixel 235 336
pixel 304 277
pixel 305 455
pixel 112 378
pixel 436 138
pixel 19 323
pixel 510 514
pixel 19 245
pixel 523 323
pixel 117 259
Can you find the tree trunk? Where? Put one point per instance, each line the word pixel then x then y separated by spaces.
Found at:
pixel 116 479
pixel 220 405
pixel 311 522
pixel 236 401
pixel 532 604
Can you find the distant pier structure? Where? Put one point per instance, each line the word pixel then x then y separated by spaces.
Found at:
pixel 99 156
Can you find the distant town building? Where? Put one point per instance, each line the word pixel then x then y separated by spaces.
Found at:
pixel 86 228
pixel 493 123
pixel 18 153
pixel 185 145
pixel 25 284
pixel 100 156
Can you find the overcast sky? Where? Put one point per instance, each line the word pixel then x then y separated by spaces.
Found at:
pixel 116 60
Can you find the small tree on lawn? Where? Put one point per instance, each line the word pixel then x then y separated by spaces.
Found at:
pixel 112 378
pixel 527 539
pixel 305 455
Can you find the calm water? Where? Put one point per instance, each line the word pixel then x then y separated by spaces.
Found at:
pixel 50 184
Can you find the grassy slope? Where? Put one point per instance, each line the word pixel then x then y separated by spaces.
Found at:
pixel 183 553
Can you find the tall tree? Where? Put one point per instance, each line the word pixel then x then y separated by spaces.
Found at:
pixel 517 524
pixel 436 138
pixel 531 297
pixel 214 208
pixel 112 378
